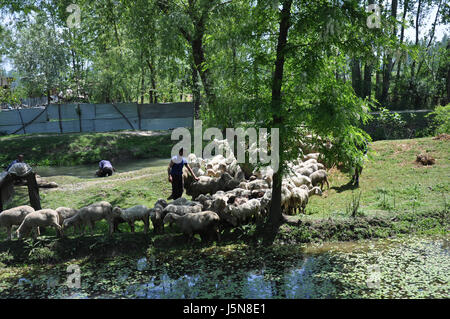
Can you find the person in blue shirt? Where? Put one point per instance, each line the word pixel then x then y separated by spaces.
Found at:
pixel 175 172
pixel 105 168
pixel 18 160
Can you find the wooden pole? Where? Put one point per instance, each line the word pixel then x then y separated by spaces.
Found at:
pixel 33 191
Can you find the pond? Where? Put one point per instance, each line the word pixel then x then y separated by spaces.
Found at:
pixel 395 268
pixel 88 171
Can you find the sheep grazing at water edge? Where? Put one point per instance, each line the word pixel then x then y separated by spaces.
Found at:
pixel 205 223
pixel 87 216
pixel 133 214
pixel 66 213
pixel 40 218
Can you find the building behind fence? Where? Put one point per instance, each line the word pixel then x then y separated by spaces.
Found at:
pixel 72 118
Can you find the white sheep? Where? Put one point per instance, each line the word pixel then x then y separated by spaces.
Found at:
pixel 257 184
pixel 40 218
pixel 66 213
pixel 300 180
pixel 312 156
pixel 204 223
pixel 90 214
pixel 182 210
pixel 157 216
pixel 300 197
pixel 305 171
pixel 132 214
pixel 285 197
pixel 14 217
pixel 319 177
pixel 236 215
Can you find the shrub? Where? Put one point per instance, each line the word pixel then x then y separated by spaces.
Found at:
pixel 441 119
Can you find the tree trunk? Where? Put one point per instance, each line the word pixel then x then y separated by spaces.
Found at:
pixel 367 84
pixel 448 74
pixel 400 56
pixel 356 77
pixel 413 65
pixel 153 94
pixel 142 79
pixel 195 92
pixel 199 60
pixel 368 67
pixel 387 68
pixel 285 23
pixel 433 30
pixel 378 84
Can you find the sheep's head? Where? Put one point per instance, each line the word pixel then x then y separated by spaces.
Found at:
pixel 69 222
pixel 169 218
pixel 116 212
pixel 161 202
pixel 222 168
pixel 316 191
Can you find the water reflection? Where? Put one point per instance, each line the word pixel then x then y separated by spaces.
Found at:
pixel 409 268
pixel 162 287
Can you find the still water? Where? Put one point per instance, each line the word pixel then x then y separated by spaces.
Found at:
pixel 395 268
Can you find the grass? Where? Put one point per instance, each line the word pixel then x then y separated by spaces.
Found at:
pixel 397 196
pixel 391 182
pixel 398 199
pixel 83 148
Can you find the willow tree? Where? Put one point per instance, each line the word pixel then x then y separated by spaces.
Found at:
pixel 308 49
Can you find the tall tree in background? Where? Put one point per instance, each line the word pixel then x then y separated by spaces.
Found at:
pixel 40 56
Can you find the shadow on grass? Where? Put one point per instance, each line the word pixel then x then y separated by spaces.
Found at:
pixel 346 187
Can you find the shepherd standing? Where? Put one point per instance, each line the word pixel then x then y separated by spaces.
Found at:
pixel 175 171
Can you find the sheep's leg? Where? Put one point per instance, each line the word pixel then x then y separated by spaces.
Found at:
pixel 91 226
pixel 146 224
pixel 36 232
pixel 9 233
pixel 111 228
pixel 218 234
pixel 82 228
pixel 131 226
pixel 58 228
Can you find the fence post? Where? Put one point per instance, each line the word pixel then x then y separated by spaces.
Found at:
pixel 21 120
pixel 139 107
pixel 59 114
pixel 79 117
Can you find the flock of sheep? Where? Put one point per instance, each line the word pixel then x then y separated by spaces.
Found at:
pixel 222 196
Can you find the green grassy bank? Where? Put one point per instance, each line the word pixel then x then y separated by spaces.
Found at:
pixel 84 148
pixel 398 196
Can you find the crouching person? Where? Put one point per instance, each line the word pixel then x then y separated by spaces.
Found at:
pixel 105 169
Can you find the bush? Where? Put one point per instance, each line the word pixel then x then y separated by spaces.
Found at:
pixel 441 119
